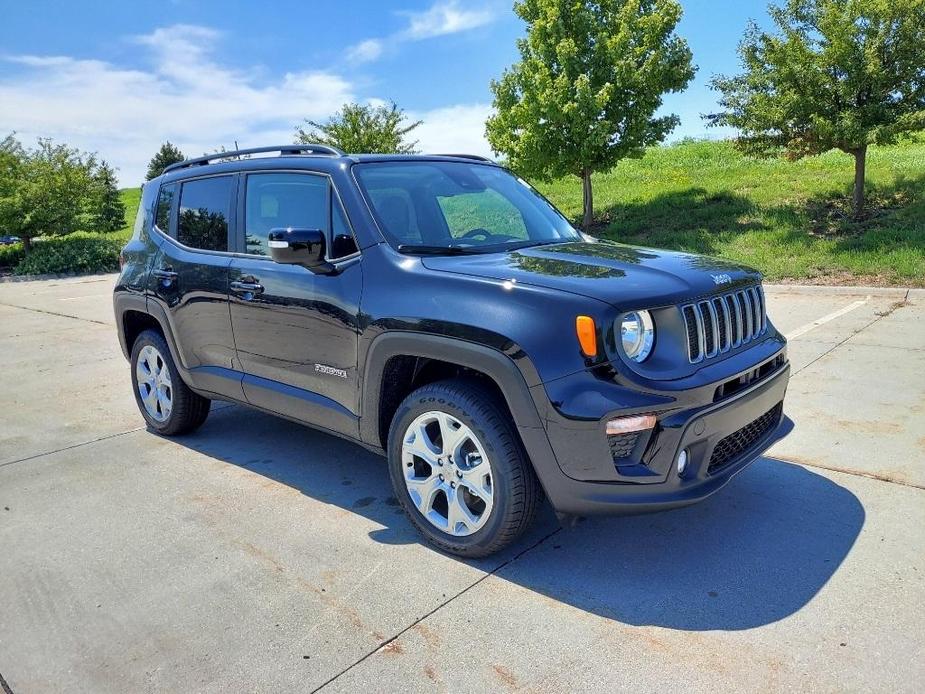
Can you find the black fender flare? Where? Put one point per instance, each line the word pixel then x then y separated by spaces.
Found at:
pixel 494 364
pixel 123 302
pixel 491 362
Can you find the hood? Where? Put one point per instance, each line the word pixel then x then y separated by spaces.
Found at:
pixel 624 276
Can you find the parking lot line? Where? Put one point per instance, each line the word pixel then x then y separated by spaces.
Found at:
pixel 802 330
pixel 86 296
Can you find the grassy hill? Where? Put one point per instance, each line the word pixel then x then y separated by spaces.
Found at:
pixel 788 219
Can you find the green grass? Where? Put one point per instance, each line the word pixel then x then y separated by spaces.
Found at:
pixel 788 219
pixel 81 252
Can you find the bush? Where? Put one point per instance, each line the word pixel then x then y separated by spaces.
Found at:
pixel 75 253
pixel 11 255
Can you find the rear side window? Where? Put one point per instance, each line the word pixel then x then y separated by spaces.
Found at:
pixel 205 208
pixel 164 203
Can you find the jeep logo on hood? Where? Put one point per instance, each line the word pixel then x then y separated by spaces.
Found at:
pixel 723 278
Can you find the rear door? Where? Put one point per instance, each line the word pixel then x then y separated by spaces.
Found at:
pixel 296 332
pixel 190 278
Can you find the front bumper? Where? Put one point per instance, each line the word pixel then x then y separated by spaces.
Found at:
pixel 653 483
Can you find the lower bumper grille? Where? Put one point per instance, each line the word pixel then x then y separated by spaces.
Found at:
pixel 739 442
pixel 622 445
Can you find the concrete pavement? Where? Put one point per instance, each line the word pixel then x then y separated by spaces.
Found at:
pixel 258 555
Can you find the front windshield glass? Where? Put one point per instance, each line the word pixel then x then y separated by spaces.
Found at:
pixel 458 206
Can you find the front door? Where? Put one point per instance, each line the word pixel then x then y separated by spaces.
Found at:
pixel 296 332
pixel 190 279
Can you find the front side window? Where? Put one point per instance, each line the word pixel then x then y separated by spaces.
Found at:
pixel 465 207
pixel 286 200
pixel 205 208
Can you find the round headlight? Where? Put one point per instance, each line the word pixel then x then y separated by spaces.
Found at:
pixel 637 334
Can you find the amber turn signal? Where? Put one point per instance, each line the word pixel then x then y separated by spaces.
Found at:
pixel 587 335
pixel 629 424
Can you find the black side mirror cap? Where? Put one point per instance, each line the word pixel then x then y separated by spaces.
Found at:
pixel 305 247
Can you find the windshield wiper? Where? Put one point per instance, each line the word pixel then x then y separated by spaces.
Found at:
pixel 436 250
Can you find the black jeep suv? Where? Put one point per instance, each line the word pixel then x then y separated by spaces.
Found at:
pixel 439 311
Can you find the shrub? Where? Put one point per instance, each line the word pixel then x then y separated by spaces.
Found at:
pixel 11 255
pixel 75 253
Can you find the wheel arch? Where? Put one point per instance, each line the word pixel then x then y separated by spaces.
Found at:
pixel 397 363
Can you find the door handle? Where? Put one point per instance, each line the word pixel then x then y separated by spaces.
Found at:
pixel 246 287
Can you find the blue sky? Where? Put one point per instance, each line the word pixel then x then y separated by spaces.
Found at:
pixel 119 78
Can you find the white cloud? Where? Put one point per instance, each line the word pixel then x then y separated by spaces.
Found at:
pixel 440 19
pixel 365 51
pixel 185 96
pixel 195 102
pixel 458 129
pixel 445 18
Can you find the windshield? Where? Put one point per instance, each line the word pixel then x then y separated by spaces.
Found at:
pixel 435 206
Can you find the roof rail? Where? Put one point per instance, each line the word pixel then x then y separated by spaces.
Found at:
pixel 476 157
pixel 283 150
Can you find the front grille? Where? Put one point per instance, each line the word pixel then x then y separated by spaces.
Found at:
pixel 717 325
pixel 622 445
pixel 739 442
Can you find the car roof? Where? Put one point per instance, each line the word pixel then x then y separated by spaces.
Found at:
pixel 326 161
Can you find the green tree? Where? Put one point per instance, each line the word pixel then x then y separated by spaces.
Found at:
pixel 109 213
pixel 362 129
pixel 585 92
pixel 836 74
pixel 168 154
pixel 45 191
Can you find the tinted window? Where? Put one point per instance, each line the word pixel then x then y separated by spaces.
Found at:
pixel 342 243
pixel 282 200
pixel 276 201
pixel 164 201
pixel 205 207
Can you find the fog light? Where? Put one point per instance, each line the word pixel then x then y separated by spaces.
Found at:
pixel 682 461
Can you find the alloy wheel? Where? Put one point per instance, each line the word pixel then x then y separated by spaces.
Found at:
pixel 154 384
pixel 447 473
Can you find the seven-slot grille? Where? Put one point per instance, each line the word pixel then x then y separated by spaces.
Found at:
pixel 720 323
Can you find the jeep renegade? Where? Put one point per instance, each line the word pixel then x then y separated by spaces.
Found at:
pixel 438 310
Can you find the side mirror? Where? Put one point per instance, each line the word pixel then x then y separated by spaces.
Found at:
pixel 303 247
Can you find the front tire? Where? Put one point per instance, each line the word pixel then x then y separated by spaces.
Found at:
pixel 165 401
pixel 458 469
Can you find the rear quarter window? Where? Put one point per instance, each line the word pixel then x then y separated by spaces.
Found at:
pixel 205 208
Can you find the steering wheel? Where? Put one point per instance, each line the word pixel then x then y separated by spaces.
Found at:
pixel 473 233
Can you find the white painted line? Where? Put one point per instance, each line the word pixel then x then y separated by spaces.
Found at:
pixel 825 319
pixel 88 296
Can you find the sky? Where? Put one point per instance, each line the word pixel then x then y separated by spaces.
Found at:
pixel 119 78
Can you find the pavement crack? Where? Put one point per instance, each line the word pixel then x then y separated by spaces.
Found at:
pixel 73 446
pixel 465 590
pixel 219 408
pixel 855 473
pixel 55 313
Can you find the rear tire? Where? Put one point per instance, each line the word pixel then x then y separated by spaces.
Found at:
pixel 458 468
pixel 165 401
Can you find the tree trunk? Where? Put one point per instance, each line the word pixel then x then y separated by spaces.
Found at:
pixel 860 162
pixel 26 244
pixel 588 197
